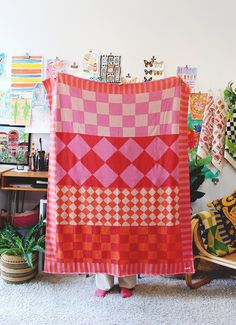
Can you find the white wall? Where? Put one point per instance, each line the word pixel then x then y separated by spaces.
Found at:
pixel 198 33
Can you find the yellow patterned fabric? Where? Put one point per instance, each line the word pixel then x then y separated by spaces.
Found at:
pixel 228 206
pixel 214 234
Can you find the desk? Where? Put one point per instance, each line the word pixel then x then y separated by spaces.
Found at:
pixel 4 168
pixel 22 177
pixel 17 182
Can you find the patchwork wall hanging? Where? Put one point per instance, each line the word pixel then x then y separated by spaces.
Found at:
pixel 110 68
pixel 212 137
pixel 198 103
pixel 230 138
pixel 118 195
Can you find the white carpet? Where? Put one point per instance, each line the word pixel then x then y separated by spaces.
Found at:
pixel 58 300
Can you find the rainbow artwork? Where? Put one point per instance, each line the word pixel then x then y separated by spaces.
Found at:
pixel 26 72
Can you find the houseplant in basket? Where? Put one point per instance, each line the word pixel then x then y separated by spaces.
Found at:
pixel 19 253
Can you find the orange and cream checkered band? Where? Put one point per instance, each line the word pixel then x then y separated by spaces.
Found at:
pixel 117 207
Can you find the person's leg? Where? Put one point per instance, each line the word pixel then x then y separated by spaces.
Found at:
pixel 127 283
pixel 104 282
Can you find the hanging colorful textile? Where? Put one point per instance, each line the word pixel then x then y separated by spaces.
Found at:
pixel 118 197
pixel 211 142
pixel 230 137
pixel 220 117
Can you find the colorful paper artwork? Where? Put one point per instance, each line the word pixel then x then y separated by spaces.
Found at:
pixel 5 107
pixel 74 69
pixel 20 110
pixel 2 66
pixel 110 68
pixel 39 100
pixel 153 69
pixel 42 115
pixel 129 79
pixel 189 75
pixel 26 72
pixel 198 103
pixel 14 144
pixel 55 66
pixel 91 64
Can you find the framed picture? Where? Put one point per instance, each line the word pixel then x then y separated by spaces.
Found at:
pixel 14 145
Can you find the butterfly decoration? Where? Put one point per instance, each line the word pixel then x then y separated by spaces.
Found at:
pixel 148 71
pixel 153 68
pixel 158 64
pixel 157 73
pixel 148 63
pixel 147 79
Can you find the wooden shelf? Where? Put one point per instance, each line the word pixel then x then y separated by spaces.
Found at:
pixel 28 174
pixel 12 179
pixel 31 189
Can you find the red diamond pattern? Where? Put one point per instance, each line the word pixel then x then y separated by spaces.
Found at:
pixel 169 160
pixel 122 164
pixel 92 161
pixel 130 161
pixel 144 162
pixel 66 159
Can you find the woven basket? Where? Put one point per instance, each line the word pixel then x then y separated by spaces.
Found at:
pixel 14 269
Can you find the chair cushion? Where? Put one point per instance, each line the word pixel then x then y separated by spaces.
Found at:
pixel 215 237
pixel 227 207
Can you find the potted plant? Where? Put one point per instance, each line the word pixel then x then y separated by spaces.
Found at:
pixel 19 254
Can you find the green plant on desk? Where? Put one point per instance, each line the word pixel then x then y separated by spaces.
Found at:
pixel 12 243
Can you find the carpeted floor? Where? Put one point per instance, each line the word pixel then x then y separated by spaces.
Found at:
pixel 58 300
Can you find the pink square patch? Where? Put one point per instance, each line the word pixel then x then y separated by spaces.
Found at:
pixel 75 92
pixel 154 119
pixel 115 109
pixel 91 129
pixel 141 131
pixel 67 126
pixel 128 99
pixel 90 106
pixel 154 96
pixel 65 101
pixel 142 108
pixel 128 121
pixel 100 97
pixel 78 116
pixel 116 132
pixel 103 119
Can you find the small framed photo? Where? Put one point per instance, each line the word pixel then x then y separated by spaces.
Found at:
pixel 14 145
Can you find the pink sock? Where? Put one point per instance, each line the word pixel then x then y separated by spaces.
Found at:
pixel 125 292
pixel 100 293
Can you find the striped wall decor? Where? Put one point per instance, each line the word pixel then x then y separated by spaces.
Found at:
pixel 25 73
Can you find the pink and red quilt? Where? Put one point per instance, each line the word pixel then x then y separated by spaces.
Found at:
pixel 118 197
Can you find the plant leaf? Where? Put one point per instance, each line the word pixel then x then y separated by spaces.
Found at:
pixel 28 259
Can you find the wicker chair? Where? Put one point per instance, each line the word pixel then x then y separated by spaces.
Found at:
pixel 228 261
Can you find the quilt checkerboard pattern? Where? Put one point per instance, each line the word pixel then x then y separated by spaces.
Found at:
pixel 230 138
pixel 118 196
